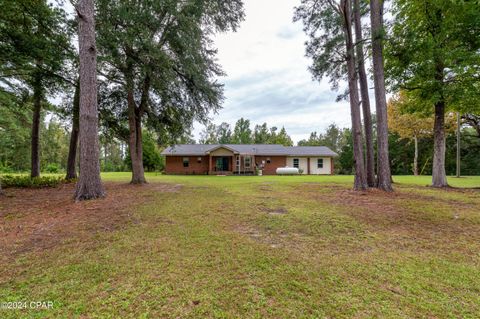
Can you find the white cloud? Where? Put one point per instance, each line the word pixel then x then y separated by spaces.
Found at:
pixel 267 74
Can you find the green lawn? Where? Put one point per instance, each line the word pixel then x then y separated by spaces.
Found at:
pixel 265 247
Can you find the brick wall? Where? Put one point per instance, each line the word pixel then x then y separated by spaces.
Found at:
pixel 174 165
pixel 275 162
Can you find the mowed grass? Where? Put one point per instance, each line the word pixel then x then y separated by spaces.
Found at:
pixel 267 247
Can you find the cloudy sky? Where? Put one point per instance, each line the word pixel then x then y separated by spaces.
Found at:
pixel 267 77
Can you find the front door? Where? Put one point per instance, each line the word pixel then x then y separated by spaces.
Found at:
pixel 222 164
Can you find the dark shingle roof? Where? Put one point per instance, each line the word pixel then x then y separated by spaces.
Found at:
pixel 254 149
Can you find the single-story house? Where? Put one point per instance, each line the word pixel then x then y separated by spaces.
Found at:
pixel 244 159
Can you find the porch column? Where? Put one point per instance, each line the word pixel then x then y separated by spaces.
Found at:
pixel 331 166
pixel 209 164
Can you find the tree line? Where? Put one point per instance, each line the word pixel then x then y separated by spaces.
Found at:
pixel 147 63
pixel 243 134
pixel 427 53
pixel 150 66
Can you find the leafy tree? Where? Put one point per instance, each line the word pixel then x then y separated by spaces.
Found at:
pixel 281 138
pixel 261 134
pixel 242 134
pixel 433 53
pixel 408 125
pixel 209 134
pixel 34 47
pixel 14 135
pixel 334 138
pixel 346 158
pixel 472 120
pixel 224 133
pixel 54 144
pixel 159 59
pixel 152 160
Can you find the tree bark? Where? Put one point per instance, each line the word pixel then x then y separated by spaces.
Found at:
pixel 360 182
pixel 72 151
pixel 459 127
pixel 37 108
pixel 89 185
pixel 135 138
pixel 415 159
pixel 439 176
pixel 384 176
pixel 367 114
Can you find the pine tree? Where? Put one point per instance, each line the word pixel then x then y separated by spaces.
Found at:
pixel 89 185
pixel 384 175
pixel 332 48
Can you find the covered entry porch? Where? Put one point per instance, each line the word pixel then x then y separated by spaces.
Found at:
pixel 225 161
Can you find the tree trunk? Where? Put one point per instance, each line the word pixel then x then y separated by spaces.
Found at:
pixel 439 177
pixel 72 151
pixel 367 114
pixel 459 127
pixel 135 140
pixel 89 185
pixel 415 159
pixel 360 182
pixel 384 176
pixel 37 108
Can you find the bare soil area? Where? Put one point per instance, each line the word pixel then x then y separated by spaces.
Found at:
pixel 38 219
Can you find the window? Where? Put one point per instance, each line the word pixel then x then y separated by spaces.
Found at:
pixel 186 162
pixel 320 163
pixel 268 160
pixel 296 163
pixel 199 160
pixel 248 161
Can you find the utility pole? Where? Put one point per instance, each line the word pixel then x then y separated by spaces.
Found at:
pixel 458 144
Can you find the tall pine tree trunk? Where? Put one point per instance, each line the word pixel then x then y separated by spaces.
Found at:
pixel 384 176
pixel 89 185
pixel 72 151
pixel 360 182
pixel 415 158
pixel 439 177
pixel 35 138
pixel 367 115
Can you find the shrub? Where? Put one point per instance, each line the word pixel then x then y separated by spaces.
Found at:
pixel 52 168
pixel 5 168
pixel 24 181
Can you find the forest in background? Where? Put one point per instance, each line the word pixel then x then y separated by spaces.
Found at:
pixel 55 137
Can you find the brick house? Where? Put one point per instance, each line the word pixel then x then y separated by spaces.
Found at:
pixel 242 159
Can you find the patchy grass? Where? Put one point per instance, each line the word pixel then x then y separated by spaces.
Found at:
pixel 244 247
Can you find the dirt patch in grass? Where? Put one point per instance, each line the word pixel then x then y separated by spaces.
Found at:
pixel 40 219
pixel 272 211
